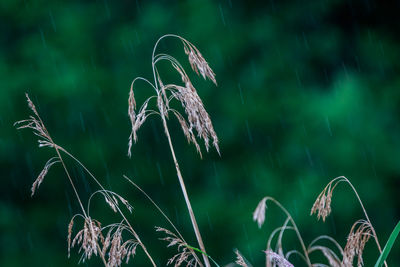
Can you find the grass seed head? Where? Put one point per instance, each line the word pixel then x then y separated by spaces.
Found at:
pixel 240 259
pixel 185 254
pixel 277 259
pixel 259 212
pixel 359 235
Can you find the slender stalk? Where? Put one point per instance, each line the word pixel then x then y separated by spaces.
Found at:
pixel 366 216
pixel 295 229
pixel 102 256
pixel 101 186
pixel 165 216
pixel 185 195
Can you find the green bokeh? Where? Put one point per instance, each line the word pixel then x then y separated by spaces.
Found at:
pixel 306 93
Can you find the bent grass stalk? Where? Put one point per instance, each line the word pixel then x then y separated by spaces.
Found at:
pixel 197 117
pixel 169 221
pixel 259 217
pixel 322 205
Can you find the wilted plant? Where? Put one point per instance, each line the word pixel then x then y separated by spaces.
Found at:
pixel 196 124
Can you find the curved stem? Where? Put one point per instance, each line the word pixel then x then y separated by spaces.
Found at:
pixel 143 79
pixel 154 52
pixel 162 213
pixel 307 259
pixel 119 210
pixel 366 216
pixel 70 179
pixel 101 255
pixel 183 188
pixel 326 237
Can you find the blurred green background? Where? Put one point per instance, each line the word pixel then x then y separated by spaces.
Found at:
pixel 307 91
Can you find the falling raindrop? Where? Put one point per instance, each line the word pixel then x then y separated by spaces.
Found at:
pixel 246 236
pixel 82 122
pixel 216 175
pixel 160 173
pixel 209 221
pixel 53 23
pixel 107 9
pixel 68 203
pixel 222 14
pixel 309 157
pixel 328 125
pixel 43 39
pixel 249 132
pixel 241 93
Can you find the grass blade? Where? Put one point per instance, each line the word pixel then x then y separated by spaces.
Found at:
pixel 388 246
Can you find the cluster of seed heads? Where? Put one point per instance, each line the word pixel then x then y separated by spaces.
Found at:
pixel 185 255
pixel 197 123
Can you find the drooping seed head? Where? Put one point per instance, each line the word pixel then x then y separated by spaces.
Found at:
pixel 240 259
pixel 277 259
pixel 43 173
pixel 322 205
pixel 359 235
pixel 88 238
pixel 198 63
pixel 185 254
pixel 259 212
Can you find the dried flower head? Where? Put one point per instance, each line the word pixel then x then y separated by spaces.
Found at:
pixel 240 259
pixel 322 205
pixel 43 173
pixel 197 117
pixel 88 238
pixel 197 62
pixel 119 251
pixel 36 124
pixel 277 259
pixel 70 225
pixel 359 235
pixel 259 212
pixel 185 253
pixel 112 199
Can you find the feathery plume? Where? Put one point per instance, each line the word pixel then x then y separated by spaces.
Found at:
pixel 277 259
pixel 88 238
pixel 70 225
pixel 35 123
pixel 119 251
pixel 240 259
pixel 43 173
pixel 259 212
pixel 185 254
pixel 322 205
pixel 198 63
pixel 359 235
pixel 111 198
